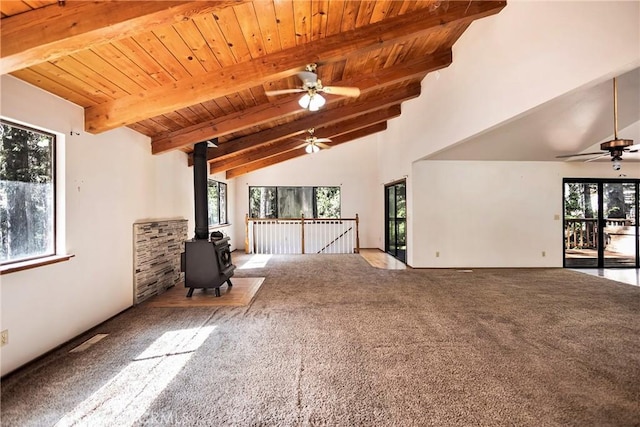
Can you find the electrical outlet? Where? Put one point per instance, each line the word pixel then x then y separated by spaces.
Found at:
pixel 4 337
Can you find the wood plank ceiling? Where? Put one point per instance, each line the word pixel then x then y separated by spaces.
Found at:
pixel 183 72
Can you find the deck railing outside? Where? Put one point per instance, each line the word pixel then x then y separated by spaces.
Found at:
pixel 582 233
pixel 302 235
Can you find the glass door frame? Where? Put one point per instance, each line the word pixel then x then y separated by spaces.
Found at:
pixel 388 219
pixel 600 182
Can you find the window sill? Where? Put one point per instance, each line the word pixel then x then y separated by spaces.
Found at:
pixel 34 263
pixel 213 227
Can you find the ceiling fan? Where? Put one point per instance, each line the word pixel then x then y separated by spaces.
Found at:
pixel 312 87
pixel 313 143
pixel 615 147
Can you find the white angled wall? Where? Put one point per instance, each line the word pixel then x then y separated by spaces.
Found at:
pixel 112 180
pixel 506 64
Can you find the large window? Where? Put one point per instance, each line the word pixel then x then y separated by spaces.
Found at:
pixel 27 193
pixel 217 201
pixel 294 202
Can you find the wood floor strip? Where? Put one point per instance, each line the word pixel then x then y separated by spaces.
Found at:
pixel 380 259
pixel 240 294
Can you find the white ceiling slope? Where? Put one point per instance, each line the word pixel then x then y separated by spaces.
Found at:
pixel 575 122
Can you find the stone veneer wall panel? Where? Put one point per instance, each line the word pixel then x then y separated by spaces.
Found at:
pixel 157 246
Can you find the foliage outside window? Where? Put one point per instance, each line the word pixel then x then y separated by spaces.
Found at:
pixel 581 200
pixel 217 201
pixel 27 193
pixel 294 202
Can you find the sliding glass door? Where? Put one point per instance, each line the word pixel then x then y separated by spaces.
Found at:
pixel 580 224
pixel 601 223
pixel 396 220
pixel 620 224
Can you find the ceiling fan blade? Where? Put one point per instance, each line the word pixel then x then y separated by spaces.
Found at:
pixel 323 140
pixel 582 154
pixel 283 91
pixel 342 90
pixel 598 157
pixel 323 146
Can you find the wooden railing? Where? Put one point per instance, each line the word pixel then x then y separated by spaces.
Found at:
pixel 582 233
pixel 302 235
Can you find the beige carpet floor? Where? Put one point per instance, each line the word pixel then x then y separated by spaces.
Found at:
pixel 330 340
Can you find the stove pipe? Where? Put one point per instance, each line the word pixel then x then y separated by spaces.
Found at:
pixel 200 191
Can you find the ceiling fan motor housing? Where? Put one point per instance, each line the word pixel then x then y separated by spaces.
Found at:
pixel 309 79
pixel 616 143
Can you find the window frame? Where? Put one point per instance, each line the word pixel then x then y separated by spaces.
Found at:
pixel 314 189
pixel 53 256
pixel 220 205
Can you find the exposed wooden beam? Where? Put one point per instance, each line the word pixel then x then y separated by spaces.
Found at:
pixel 230 123
pixel 286 106
pixel 327 117
pixel 233 173
pixel 279 147
pixel 51 32
pixel 234 78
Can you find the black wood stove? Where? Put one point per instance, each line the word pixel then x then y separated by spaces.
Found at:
pixel 206 260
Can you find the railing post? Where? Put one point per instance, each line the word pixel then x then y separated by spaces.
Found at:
pixel 246 233
pixel 302 222
pixel 357 234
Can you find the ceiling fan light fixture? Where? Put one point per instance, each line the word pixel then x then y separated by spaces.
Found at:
pixel 616 163
pixel 305 101
pixel 312 101
pixel 317 102
pixel 311 148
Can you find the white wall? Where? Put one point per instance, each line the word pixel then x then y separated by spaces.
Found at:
pixel 495 214
pixel 504 65
pixel 110 181
pixel 351 166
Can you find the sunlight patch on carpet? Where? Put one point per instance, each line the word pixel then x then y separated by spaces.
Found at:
pixel 256 261
pixel 128 395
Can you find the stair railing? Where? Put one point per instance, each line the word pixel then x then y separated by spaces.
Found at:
pixel 302 235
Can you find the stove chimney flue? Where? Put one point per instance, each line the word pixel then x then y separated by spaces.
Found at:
pixel 206 262
pixel 200 175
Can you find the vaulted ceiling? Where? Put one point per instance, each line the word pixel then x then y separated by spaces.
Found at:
pixel 182 72
pixel 575 122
